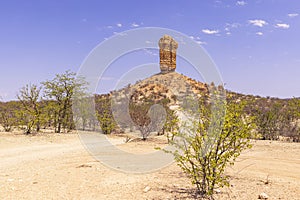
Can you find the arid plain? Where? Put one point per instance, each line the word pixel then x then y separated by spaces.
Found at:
pixel 57 166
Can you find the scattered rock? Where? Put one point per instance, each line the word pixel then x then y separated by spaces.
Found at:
pixel 35 182
pixel 83 165
pixel 263 196
pixel 147 189
pixel 217 191
pixel 161 187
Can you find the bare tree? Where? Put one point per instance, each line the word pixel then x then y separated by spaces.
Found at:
pixel 147 117
pixel 7 118
pixel 29 96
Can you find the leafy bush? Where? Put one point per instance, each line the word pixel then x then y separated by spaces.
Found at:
pixel 208 143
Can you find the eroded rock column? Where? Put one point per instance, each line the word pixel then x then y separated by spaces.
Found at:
pixel 167 54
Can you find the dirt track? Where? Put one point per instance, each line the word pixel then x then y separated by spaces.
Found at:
pixel 58 167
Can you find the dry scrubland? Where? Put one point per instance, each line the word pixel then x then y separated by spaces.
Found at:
pixel 56 166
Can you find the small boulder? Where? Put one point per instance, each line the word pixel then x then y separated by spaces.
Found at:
pixel 147 189
pixel 217 191
pixel 263 196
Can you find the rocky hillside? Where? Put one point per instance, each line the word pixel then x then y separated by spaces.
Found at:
pixel 172 86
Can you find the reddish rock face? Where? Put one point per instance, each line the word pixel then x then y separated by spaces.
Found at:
pixel 167 54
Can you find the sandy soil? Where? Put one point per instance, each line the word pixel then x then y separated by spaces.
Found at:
pixel 54 166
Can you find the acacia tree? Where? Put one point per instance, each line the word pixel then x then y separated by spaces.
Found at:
pixel 85 117
pixel 7 118
pixel 293 125
pixel 147 117
pixel 171 124
pixel 104 114
pixel 171 120
pixel 61 89
pixel 270 121
pixel 48 113
pixel 30 114
pixel 209 142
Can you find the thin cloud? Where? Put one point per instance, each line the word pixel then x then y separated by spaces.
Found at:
pixel 233 25
pixel 197 40
pixel 259 33
pixel 121 34
pixel 230 26
pixel 258 22
pixel 293 15
pixel 150 52
pixel 210 32
pixel 135 25
pixel 119 25
pixel 283 26
pixel 241 3
pixel 200 42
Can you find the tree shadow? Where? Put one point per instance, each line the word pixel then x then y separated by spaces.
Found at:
pixel 177 192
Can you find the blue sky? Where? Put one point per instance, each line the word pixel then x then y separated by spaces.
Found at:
pixel 255 44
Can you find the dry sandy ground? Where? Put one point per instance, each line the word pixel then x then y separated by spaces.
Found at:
pixel 56 166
